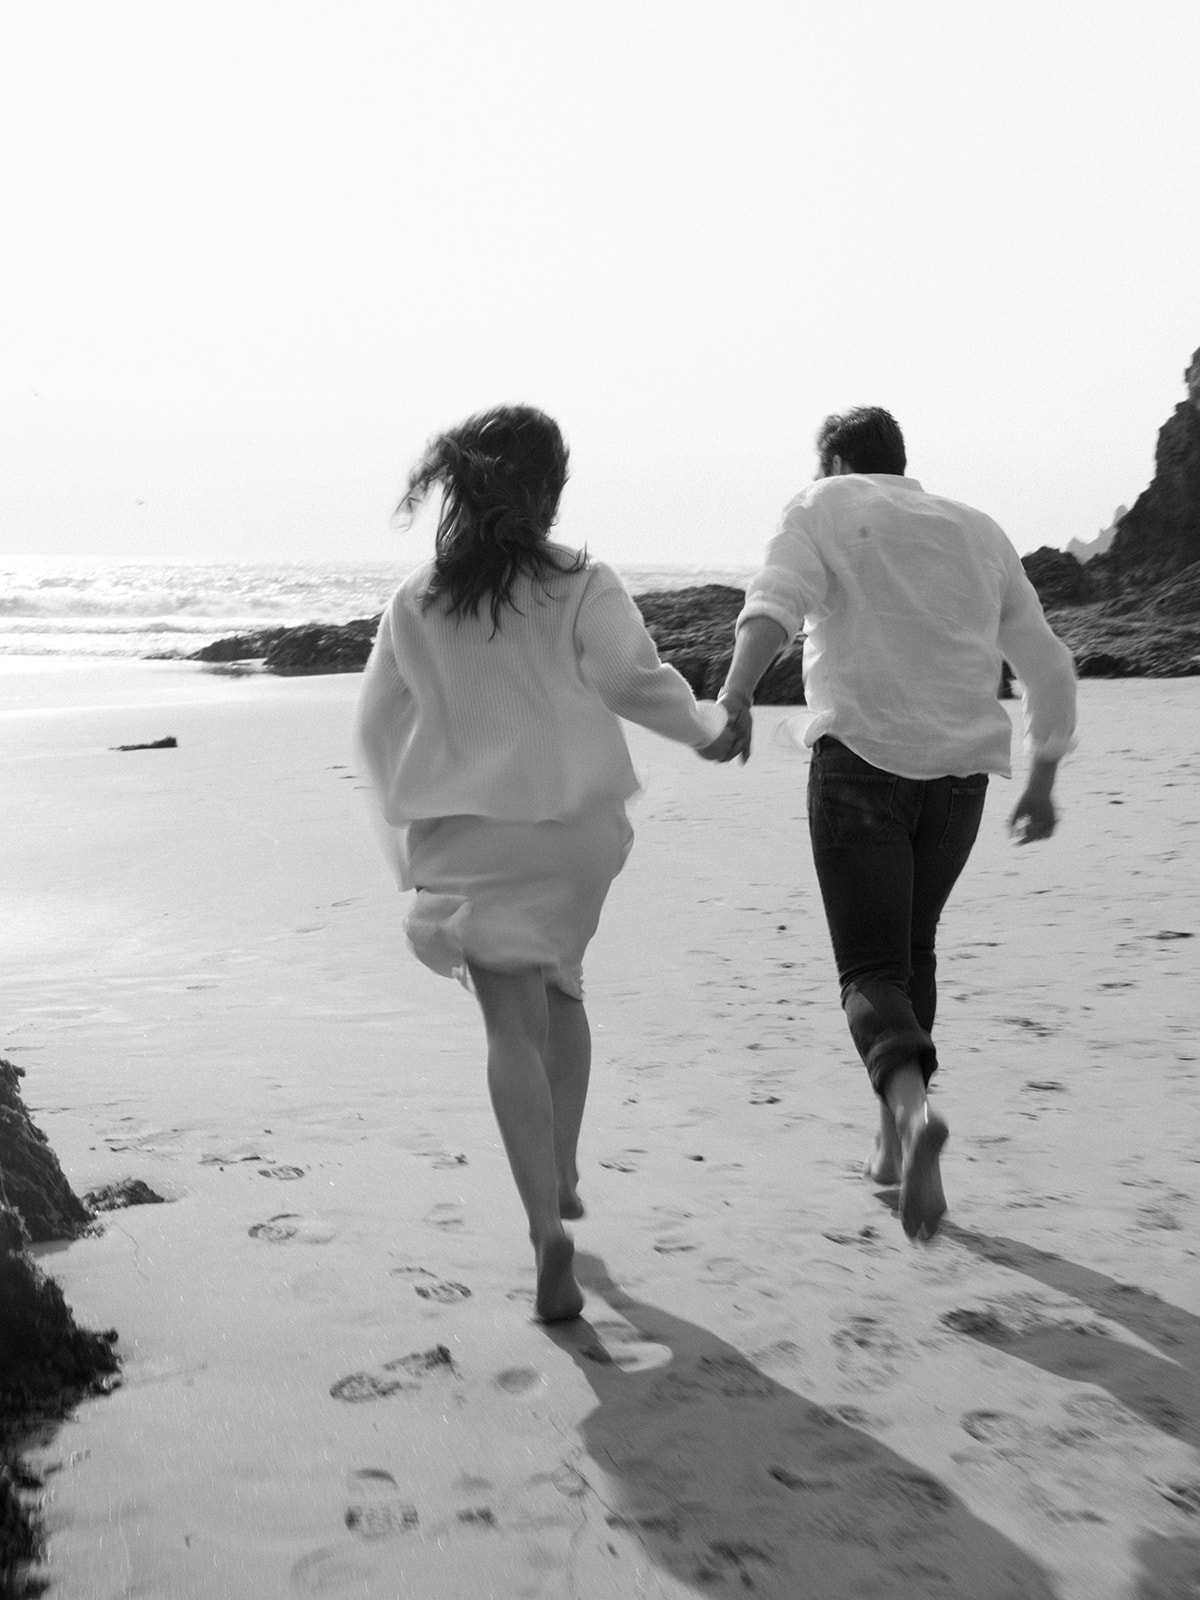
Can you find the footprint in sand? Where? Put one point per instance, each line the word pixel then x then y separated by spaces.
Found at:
pixel 622 1346
pixel 867 1237
pixel 332 1570
pixel 376 1509
pixel 730 1561
pixel 276 1229
pixel 430 1287
pixel 1158 1216
pixel 444 1293
pixel 215 1160
pixel 446 1214
pixel 620 1163
pixel 728 1271
pixel 361 1386
pixel 291 1225
pixel 732 1377
pixel 867 1352
pixel 476 1517
pixel 673 1244
pixel 1004 1432
pixel 517 1380
pixel 284 1174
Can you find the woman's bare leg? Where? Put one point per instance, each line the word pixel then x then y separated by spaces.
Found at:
pixel 568 1059
pixel 516 1016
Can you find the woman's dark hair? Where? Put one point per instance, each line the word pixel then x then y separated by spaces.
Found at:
pixel 868 439
pixel 501 473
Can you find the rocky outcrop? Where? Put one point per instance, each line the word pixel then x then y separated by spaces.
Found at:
pixel 693 630
pixel 1087 549
pixel 313 648
pixel 1060 578
pixel 1159 536
pixel 31 1179
pixel 240 646
pixel 1121 641
pixel 47 1362
pixel 1134 609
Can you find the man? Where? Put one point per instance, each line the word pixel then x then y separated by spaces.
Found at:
pixel 910 604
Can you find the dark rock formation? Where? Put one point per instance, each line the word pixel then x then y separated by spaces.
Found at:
pixel 1108 641
pixel 1134 609
pixel 1059 578
pixel 31 1180
pixel 1159 536
pixel 693 629
pixel 323 648
pixel 47 1362
pixel 117 1196
pixel 313 648
pixel 239 646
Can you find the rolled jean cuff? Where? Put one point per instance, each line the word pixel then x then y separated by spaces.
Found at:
pixel 905 1049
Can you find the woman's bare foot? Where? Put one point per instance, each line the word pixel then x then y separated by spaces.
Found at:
pixel 570 1206
pixel 559 1297
pixel 922 1198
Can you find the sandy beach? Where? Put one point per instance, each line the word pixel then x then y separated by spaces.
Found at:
pixel 332 1384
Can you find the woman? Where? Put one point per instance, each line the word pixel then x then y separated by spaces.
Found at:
pixel 489 722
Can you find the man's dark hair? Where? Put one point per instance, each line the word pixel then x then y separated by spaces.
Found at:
pixel 868 439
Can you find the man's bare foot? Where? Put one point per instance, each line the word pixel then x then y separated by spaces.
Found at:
pixel 570 1206
pixel 922 1198
pixel 883 1165
pixel 559 1297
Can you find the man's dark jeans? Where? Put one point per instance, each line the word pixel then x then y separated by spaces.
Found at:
pixel 888 851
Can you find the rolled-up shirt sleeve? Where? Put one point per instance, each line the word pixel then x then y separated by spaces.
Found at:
pixel 1043 665
pixel 619 659
pixel 792 579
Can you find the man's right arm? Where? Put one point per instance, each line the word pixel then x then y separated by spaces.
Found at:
pixel 759 640
pixel 792 578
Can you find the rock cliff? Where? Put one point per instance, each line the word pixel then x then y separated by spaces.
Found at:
pixel 1159 536
pixel 47 1362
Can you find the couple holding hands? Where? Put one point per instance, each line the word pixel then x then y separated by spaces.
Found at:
pixel 489 720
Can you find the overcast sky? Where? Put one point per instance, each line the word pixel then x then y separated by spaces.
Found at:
pixel 256 252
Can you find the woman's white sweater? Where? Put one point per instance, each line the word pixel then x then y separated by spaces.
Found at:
pixel 519 724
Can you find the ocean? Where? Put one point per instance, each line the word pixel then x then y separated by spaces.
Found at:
pixel 129 609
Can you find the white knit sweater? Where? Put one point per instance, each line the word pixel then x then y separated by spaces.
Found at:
pixel 520 725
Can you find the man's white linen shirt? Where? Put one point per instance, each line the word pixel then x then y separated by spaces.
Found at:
pixel 910 604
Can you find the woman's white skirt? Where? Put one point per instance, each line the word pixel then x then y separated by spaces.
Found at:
pixel 513 896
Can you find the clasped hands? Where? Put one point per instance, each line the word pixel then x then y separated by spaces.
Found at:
pixel 735 740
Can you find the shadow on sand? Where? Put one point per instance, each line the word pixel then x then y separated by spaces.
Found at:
pixel 1164 1390
pixel 732 1482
